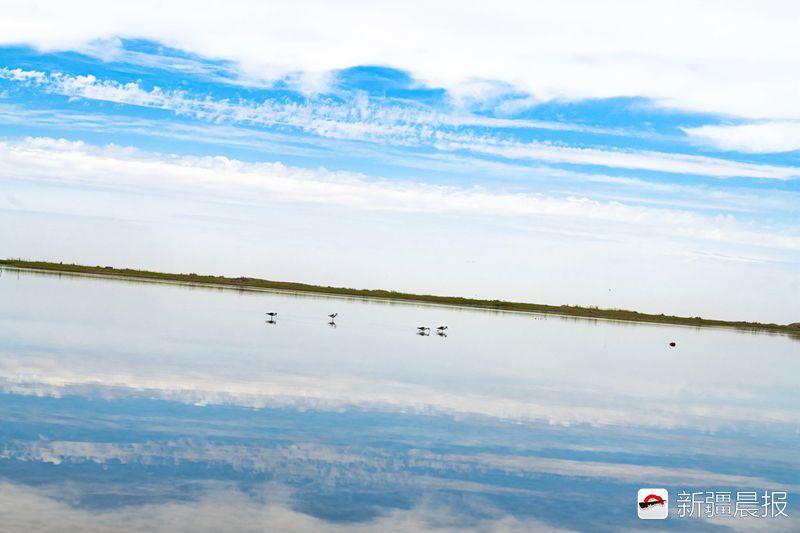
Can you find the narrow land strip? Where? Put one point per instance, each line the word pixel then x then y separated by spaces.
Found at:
pixel 246 283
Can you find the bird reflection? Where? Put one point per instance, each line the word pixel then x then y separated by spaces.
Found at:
pixel 332 324
pixel 441 333
pixel 271 321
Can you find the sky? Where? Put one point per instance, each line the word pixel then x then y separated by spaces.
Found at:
pixel 620 155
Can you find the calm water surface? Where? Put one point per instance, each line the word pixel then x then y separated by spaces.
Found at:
pixel 141 406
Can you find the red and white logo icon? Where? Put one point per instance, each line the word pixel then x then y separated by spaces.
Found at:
pixel 652 504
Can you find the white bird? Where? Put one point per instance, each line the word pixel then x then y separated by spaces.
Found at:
pixel 272 315
pixel 334 315
pixel 441 329
pixel 423 328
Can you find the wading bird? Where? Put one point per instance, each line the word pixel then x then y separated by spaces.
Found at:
pixel 441 329
pixel 334 315
pixel 272 315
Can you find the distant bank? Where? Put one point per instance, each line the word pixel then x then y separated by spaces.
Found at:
pixel 261 284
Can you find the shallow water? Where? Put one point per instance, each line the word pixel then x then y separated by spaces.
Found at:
pixel 136 405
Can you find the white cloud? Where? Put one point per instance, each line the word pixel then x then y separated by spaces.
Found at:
pixel 364 120
pixel 762 137
pixel 564 182
pixel 730 58
pixel 360 118
pixel 627 159
pixel 263 183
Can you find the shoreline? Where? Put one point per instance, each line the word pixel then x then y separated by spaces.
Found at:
pixel 256 284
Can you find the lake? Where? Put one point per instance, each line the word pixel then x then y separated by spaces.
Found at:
pixel 139 406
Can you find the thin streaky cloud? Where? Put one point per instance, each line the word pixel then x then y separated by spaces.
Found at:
pixel 274 112
pixel 396 125
pixel 759 138
pixel 627 159
pixel 260 183
pixel 517 174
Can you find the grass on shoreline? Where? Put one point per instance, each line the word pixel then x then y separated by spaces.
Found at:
pixel 255 283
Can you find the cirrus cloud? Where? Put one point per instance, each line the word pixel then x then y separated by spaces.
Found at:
pixel 404 125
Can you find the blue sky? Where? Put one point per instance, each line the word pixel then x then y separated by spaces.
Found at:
pixel 472 154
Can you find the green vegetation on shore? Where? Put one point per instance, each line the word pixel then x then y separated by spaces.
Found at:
pixel 255 283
